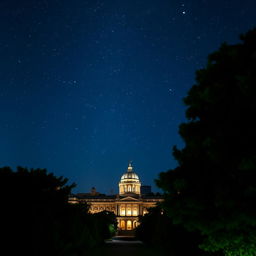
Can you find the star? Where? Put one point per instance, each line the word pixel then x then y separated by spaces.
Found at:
pixel 120 69
pixel 170 90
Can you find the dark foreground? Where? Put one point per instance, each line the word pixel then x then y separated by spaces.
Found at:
pixel 125 246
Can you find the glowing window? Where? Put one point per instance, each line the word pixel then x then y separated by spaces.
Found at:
pixel 135 212
pixel 129 211
pixel 122 224
pixel 122 212
pixel 129 225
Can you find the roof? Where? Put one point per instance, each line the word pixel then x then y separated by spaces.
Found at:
pixel 113 197
pixel 130 175
pixel 90 196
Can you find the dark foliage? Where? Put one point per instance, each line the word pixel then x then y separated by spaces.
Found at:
pixel 38 220
pixel 107 221
pixel 213 189
pixel 156 229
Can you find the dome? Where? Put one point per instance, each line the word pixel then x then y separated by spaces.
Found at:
pixel 130 175
pixel 130 182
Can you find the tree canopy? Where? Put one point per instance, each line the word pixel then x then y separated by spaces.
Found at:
pixel 37 218
pixel 213 188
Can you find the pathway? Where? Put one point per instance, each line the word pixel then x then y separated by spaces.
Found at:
pixel 124 246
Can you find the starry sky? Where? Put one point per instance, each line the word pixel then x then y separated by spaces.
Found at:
pixel 86 86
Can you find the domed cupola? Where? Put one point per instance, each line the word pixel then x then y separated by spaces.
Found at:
pixel 130 182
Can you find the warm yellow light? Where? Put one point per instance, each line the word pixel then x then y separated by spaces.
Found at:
pixel 129 212
pixel 122 224
pixel 129 225
pixel 122 212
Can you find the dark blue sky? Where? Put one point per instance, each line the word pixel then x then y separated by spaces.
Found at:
pixel 86 86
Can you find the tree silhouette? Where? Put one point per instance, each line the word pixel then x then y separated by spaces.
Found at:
pixel 213 188
pixel 38 220
pixel 157 230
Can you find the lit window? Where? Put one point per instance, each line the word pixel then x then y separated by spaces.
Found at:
pixel 122 212
pixel 129 211
pixel 122 224
pixel 129 225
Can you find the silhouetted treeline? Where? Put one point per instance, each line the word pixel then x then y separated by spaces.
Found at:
pixel 157 230
pixel 38 220
pixel 212 191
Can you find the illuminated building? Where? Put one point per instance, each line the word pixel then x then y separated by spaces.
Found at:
pixel 127 205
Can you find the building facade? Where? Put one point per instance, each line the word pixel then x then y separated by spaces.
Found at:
pixel 128 205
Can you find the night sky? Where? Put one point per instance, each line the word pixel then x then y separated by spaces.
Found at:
pixel 86 86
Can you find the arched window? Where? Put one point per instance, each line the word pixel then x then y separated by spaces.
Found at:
pixel 129 225
pixel 122 224
pixel 129 188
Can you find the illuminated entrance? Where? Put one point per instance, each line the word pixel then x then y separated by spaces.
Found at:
pixel 129 225
pixel 122 224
